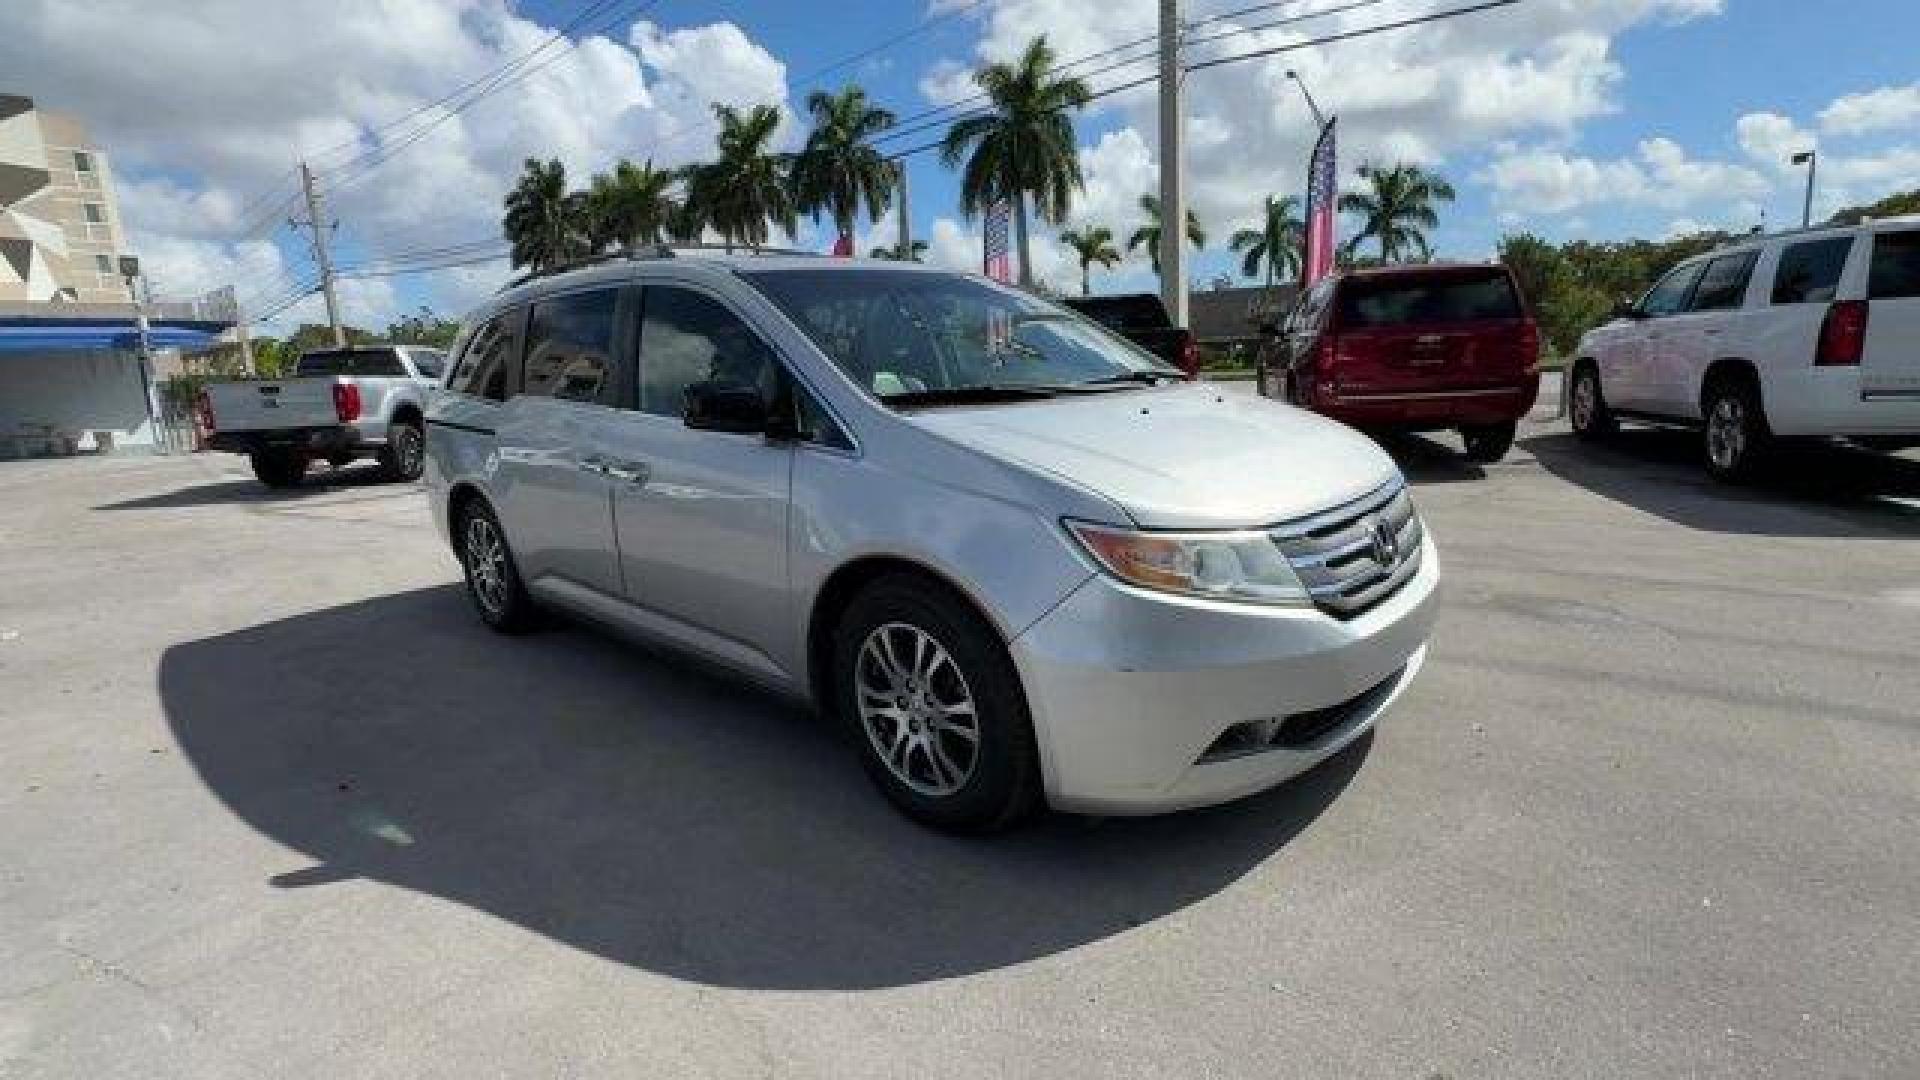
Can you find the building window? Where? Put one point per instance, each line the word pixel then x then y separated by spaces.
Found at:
pixel 82 161
pixel 104 263
pixel 96 213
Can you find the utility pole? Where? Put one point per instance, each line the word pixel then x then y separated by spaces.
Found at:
pixel 904 244
pixel 137 293
pixel 1173 197
pixel 320 257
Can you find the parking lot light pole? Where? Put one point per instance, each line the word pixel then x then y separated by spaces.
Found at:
pixel 1319 118
pixel 136 289
pixel 1811 159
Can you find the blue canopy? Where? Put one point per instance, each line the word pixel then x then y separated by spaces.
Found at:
pixel 61 335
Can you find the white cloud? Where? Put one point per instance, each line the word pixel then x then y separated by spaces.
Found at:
pixel 1772 139
pixel 194 139
pixel 1889 108
pixel 1546 181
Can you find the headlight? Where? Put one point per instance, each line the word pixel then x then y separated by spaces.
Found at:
pixel 1243 566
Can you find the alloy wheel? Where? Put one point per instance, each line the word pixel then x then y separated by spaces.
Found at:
pixel 1584 402
pixel 916 709
pixel 487 564
pixel 1727 433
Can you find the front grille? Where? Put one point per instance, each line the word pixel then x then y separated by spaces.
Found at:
pixel 1357 555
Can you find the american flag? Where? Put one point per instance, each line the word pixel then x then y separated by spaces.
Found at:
pixel 995 263
pixel 1321 172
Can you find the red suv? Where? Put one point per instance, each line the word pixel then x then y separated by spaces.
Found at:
pixel 1411 348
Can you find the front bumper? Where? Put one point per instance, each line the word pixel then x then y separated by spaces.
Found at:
pixel 1130 689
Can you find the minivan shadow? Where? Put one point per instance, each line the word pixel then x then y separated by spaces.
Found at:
pixel 1805 489
pixel 650 813
pixel 249 490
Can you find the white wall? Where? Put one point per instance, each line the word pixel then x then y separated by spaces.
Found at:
pixel 81 392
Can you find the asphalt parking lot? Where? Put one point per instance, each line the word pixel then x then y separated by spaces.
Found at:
pixel 273 803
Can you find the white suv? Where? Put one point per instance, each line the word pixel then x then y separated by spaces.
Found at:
pixel 1810 333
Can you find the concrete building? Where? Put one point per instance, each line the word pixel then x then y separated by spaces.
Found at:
pixel 71 375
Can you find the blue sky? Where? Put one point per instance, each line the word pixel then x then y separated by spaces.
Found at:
pixel 1563 117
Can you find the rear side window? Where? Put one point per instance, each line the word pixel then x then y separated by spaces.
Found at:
pixel 485 366
pixel 1724 283
pixel 353 363
pixel 570 351
pixel 1809 271
pixel 1451 299
pixel 1896 266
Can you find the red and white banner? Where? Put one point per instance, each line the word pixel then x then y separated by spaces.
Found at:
pixel 1322 195
pixel 843 247
pixel 995 262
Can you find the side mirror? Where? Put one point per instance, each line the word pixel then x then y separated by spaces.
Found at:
pixel 723 406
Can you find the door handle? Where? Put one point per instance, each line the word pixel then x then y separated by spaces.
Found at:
pixel 636 473
pixel 594 463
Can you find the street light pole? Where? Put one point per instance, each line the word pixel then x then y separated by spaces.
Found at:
pixel 1811 159
pixel 1319 118
pixel 130 269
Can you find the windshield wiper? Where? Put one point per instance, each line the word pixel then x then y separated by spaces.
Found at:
pixel 986 393
pixel 1147 376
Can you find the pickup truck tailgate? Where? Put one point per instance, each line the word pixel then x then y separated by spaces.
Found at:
pixel 266 406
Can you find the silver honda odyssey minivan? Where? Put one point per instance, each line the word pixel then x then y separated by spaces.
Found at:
pixel 1020 560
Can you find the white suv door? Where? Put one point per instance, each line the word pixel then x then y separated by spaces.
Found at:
pixel 1890 367
pixel 1627 366
pixel 1691 341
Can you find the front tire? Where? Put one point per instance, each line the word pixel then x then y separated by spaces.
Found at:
pixel 935 706
pixel 1488 443
pixel 405 454
pixel 1587 406
pixel 1736 434
pixel 493 580
pixel 278 468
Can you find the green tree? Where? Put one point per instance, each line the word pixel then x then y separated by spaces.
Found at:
pixel 1023 146
pixel 746 188
pixel 1895 205
pixel 892 252
pixel 630 206
pixel 839 170
pixel 1397 209
pixel 1149 234
pixel 545 224
pixel 1093 244
pixel 423 328
pixel 1276 244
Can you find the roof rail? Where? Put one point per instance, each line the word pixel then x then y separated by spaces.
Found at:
pixel 649 251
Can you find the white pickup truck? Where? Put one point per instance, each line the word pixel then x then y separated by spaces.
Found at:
pixel 341 404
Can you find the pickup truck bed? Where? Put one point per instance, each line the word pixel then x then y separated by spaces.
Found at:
pixel 1142 319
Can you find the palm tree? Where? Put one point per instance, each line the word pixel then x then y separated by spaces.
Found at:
pixel 839 169
pixel 1023 146
pixel 630 206
pixel 738 194
pixel 544 222
pixel 1149 234
pixel 892 251
pixel 1276 244
pixel 1397 209
pixel 1093 244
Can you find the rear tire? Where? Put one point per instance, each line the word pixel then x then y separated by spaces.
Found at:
pixel 1587 406
pixel 279 468
pixel 1488 443
pixel 493 580
pixel 1736 435
pixel 405 454
pixel 935 707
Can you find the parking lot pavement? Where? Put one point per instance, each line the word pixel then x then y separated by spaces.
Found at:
pixel 272 803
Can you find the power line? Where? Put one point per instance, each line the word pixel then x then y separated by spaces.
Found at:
pixel 917 29
pixel 1287 21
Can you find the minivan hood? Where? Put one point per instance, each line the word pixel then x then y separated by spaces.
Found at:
pixel 1189 456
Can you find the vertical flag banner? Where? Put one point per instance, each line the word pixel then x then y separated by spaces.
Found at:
pixel 1321 197
pixel 995 262
pixel 843 247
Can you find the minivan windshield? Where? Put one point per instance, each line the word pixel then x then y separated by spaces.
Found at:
pixel 915 337
pixel 1446 297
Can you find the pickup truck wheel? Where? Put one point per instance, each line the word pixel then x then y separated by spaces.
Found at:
pixel 278 468
pixel 1587 407
pixel 492 579
pixel 406 451
pixel 1488 443
pixel 1737 436
pixel 936 707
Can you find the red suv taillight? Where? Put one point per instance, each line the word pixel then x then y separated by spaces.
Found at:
pixel 1843 335
pixel 1529 347
pixel 346 402
pixel 1190 355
